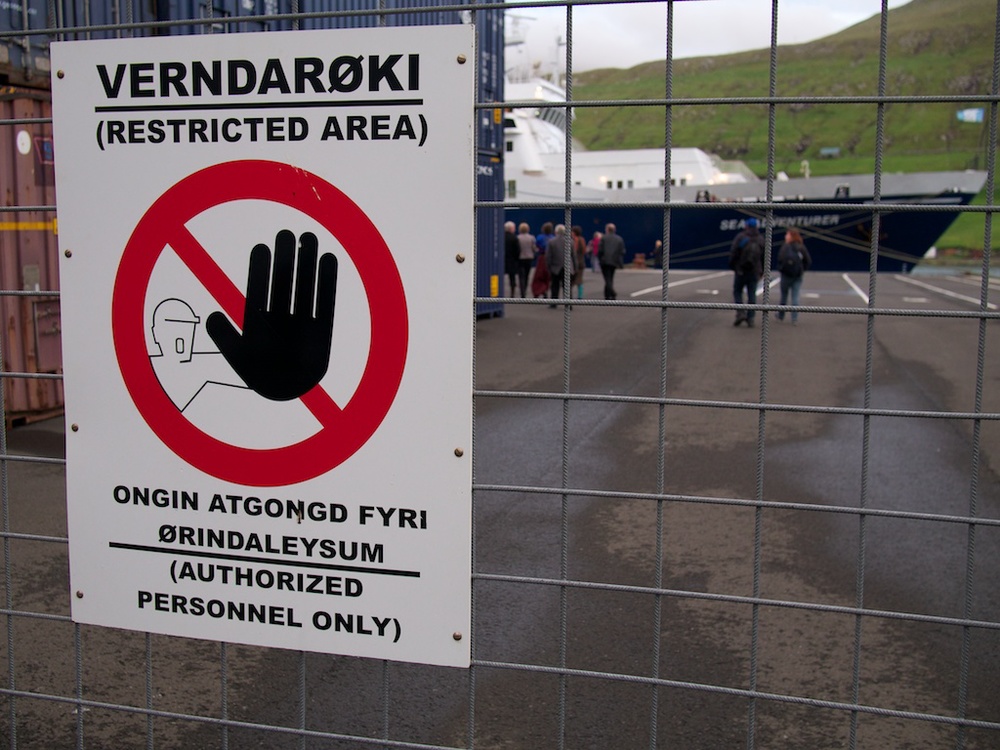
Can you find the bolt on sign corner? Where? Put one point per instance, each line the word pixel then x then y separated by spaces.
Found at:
pixel 268 336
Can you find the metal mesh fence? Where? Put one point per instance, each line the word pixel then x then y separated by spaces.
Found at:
pixel 686 533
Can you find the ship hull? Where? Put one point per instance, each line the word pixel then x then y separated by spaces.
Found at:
pixel 839 237
pixel 833 213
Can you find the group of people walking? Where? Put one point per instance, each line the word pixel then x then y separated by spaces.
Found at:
pixel 553 255
pixel 547 254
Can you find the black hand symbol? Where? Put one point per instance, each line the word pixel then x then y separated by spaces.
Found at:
pixel 283 352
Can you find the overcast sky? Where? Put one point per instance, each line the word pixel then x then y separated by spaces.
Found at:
pixel 621 36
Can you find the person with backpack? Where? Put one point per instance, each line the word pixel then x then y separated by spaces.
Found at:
pixel 793 262
pixel 746 259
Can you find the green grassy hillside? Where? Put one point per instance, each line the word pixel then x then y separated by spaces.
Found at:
pixel 935 47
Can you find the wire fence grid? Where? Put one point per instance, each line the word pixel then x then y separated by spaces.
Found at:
pixel 663 651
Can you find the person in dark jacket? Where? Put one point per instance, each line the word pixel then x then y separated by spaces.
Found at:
pixel 746 259
pixel 793 261
pixel 611 253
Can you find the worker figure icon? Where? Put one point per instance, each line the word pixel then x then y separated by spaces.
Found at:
pixel 182 371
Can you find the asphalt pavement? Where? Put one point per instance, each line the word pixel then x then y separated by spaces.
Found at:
pixel 674 488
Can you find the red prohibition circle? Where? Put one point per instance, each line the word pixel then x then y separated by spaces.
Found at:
pixel 344 429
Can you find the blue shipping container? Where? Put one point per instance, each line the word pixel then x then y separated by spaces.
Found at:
pixel 24 57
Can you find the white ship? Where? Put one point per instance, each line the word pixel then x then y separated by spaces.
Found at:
pixel 832 213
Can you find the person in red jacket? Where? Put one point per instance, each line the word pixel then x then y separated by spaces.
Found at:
pixel 793 261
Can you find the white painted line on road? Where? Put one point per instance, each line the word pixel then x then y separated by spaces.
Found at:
pixel 916 300
pixel 672 284
pixel 708 291
pixel 774 282
pixel 855 287
pixel 810 295
pixel 976 281
pixel 945 292
pixel 647 290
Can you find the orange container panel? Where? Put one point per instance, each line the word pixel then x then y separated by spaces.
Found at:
pixel 30 335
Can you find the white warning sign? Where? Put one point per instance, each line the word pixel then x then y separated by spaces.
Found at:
pixel 267 282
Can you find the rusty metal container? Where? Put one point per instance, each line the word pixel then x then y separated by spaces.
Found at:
pixel 29 270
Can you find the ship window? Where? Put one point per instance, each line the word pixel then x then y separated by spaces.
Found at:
pixel 511 188
pixel 554 116
pixel 631 184
pixel 610 184
pixel 510 146
pixel 619 184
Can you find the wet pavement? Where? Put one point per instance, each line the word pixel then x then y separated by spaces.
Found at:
pixel 732 571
